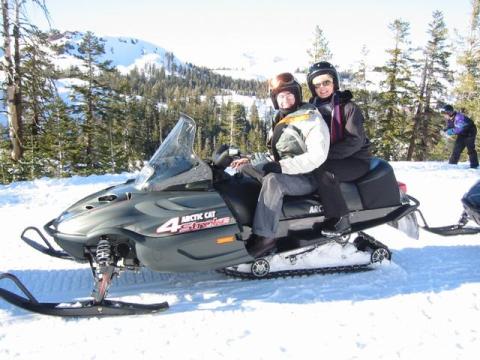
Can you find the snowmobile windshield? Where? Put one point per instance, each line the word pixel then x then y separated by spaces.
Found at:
pixel 174 163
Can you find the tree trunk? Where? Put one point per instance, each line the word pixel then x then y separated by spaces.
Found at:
pixel 13 81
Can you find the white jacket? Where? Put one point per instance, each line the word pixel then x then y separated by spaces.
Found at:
pixel 304 143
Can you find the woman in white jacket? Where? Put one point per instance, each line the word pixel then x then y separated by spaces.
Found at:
pixel 300 141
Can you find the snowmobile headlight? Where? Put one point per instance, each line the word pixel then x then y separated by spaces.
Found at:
pixel 64 216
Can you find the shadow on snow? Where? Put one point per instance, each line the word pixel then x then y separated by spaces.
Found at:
pixel 413 270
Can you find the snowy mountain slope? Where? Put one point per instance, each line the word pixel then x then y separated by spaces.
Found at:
pixel 125 53
pixel 425 303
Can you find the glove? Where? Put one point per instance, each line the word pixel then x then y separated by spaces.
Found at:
pixel 272 167
pixel 259 158
pixel 450 132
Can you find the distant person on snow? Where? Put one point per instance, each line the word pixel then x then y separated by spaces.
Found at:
pixel 349 154
pixel 466 131
pixel 299 141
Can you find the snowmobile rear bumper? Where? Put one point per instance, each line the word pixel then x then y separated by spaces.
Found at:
pixel 395 215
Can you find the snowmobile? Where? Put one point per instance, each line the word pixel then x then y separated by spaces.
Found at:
pixel 471 212
pixel 182 214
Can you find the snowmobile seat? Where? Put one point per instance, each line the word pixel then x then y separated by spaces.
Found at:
pixel 376 189
pixel 379 188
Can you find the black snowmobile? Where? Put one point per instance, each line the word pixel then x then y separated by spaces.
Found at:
pixel 185 214
pixel 471 212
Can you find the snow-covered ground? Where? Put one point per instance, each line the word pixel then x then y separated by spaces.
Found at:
pixel 425 304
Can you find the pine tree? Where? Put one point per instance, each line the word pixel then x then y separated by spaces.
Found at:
pixel 468 82
pixel 397 97
pixel 256 136
pixel 39 96
pixel 434 68
pixel 319 50
pixel 58 141
pixel 16 29
pixel 89 98
pixel 363 95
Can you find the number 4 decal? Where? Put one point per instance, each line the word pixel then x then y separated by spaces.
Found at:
pixel 171 225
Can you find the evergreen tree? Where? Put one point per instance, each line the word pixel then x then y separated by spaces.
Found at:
pixel 16 30
pixel 89 97
pixel 363 95
pixel 435 67
pixel 468 83
pixel 256 136
pixel 39 98
pixel 397 97
pixel 58 141
pixel 320 50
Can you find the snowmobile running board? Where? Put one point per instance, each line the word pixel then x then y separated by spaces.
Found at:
pixel 84 308
pixel 450 230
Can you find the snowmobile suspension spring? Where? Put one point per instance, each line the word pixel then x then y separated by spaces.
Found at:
pixel 103 252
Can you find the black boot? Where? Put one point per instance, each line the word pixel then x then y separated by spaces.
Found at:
pixel 258 246
pixel 335 227
pixel 473 160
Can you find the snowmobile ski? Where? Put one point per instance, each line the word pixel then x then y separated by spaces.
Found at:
pixel 81 308
pixel 451 230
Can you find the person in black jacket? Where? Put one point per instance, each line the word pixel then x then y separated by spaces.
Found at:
pixel 466 131
pixel 349 155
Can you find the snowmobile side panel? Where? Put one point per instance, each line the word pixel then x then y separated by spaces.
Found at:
pixel 194 251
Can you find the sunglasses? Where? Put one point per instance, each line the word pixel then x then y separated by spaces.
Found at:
pixel 323 83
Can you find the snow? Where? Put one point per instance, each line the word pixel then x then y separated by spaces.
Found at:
pixel 123 52
pixel 425 303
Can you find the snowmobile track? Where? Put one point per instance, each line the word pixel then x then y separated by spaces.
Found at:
pixel 302 272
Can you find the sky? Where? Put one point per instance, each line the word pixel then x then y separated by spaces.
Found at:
pixel 215 33
pixel 424 304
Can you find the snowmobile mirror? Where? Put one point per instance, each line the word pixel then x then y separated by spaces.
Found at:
pixel 233 151
pixel 222 159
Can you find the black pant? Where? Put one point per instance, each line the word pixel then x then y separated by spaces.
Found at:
pixel 460 143
pixel 329 175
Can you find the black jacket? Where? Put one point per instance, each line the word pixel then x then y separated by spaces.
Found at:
pixel 351 141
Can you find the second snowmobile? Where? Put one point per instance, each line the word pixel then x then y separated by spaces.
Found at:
pixel 471 213
pixel 182 213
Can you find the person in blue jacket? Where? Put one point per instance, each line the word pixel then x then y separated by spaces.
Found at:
pixel 466 131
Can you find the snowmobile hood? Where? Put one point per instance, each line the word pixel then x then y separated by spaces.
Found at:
pixel 141 212
pixel 175 163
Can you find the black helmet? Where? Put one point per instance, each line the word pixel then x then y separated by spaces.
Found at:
pixel 284 82
pixel 320 68
pixel 447 109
